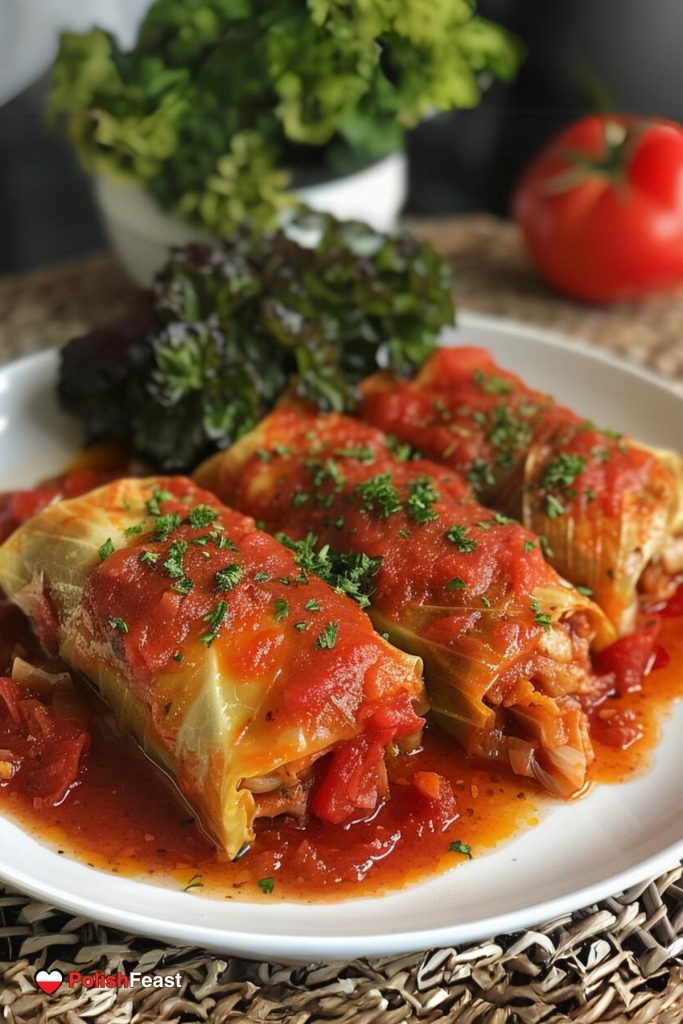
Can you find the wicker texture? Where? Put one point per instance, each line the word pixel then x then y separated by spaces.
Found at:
pixel 616 962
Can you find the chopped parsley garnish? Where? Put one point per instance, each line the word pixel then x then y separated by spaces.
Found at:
pixel 261 577
pixel 153 505
pixel 502 520
pixel 178 656
pixel 106 549
pixel 183 586
pixel 299 498
pixel 562 471
pixel 228 578
pixel 321 474
pixel 164 525
pixel 173 563
pixel 215 619
pixel 312 606
pixel 379 496
pixel 117 623
pixel 404 533
pixel 403 451
pixel 363 454
pixel 222 542
pixel 350 574
pixel 529 545
pixel 545 548
pixel 541 618
pixel 130 531
pixel 553 507
pixel 458 535
pixel 421 498
pixel 328 638
pixel 485 601
pixel 493 385
pixel 300 626
pixel 281 609
pixel 194 883
pixel 149 557
pixel 508 433
pixel 266 885
pixel 481 474
pixel 457 846
pixel 457 583
pixel 201 516
pixel 586 591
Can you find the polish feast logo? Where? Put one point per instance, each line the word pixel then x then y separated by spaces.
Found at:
pixel 50 981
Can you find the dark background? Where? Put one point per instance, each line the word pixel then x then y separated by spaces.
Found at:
pixel 583 55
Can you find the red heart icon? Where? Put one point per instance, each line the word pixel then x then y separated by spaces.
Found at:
pixel 49 981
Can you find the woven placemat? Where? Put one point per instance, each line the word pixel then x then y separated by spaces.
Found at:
pixel 616 962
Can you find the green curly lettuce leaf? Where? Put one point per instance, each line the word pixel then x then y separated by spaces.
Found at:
pixel 232 327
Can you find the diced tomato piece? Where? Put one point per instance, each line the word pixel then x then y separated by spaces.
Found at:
pixel 397 717
pixel 616 727
pixel 46 751
pixel 428 784
pixel 52 772
pixel 350 788
pixel 630 658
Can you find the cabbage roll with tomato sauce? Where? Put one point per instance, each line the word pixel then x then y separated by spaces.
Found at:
pixel 611 510
pixel 255 687
pixel 505 642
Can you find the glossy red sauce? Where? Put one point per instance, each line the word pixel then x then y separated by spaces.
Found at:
pixel 123 815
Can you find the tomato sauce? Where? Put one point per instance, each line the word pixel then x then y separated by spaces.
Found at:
pixel 125 817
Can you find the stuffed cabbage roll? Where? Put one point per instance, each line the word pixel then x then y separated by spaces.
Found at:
pixel 249 681
pixel 610 509
pixel 504 640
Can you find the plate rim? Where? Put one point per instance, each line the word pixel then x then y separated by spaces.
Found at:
pixel 305 948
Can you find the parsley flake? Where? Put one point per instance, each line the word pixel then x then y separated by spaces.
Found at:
pixel 328 638
pixel 164 525
pixel 493 385
pixel 541 618
pixel 215 619
pixel 379 496
pixel 457 846
pixel 281 609
pixel 422 496
pixel 457 583
pixel 201 516
pixel 227 579
pixel 194 883
pixel 562 471
pixel 153 505
pixel 106 549
pixel 117 623
pixel 266 885
pixel 458 535
pixel 173 563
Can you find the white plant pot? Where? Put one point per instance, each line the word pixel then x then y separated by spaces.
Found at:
pixel 141 233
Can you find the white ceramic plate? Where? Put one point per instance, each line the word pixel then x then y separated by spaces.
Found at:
pixel 615 837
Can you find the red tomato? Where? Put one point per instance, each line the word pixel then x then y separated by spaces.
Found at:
pixel 630 658
pixel 351 786
pixel 601 208
pixel 618 728
pixel 39 751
